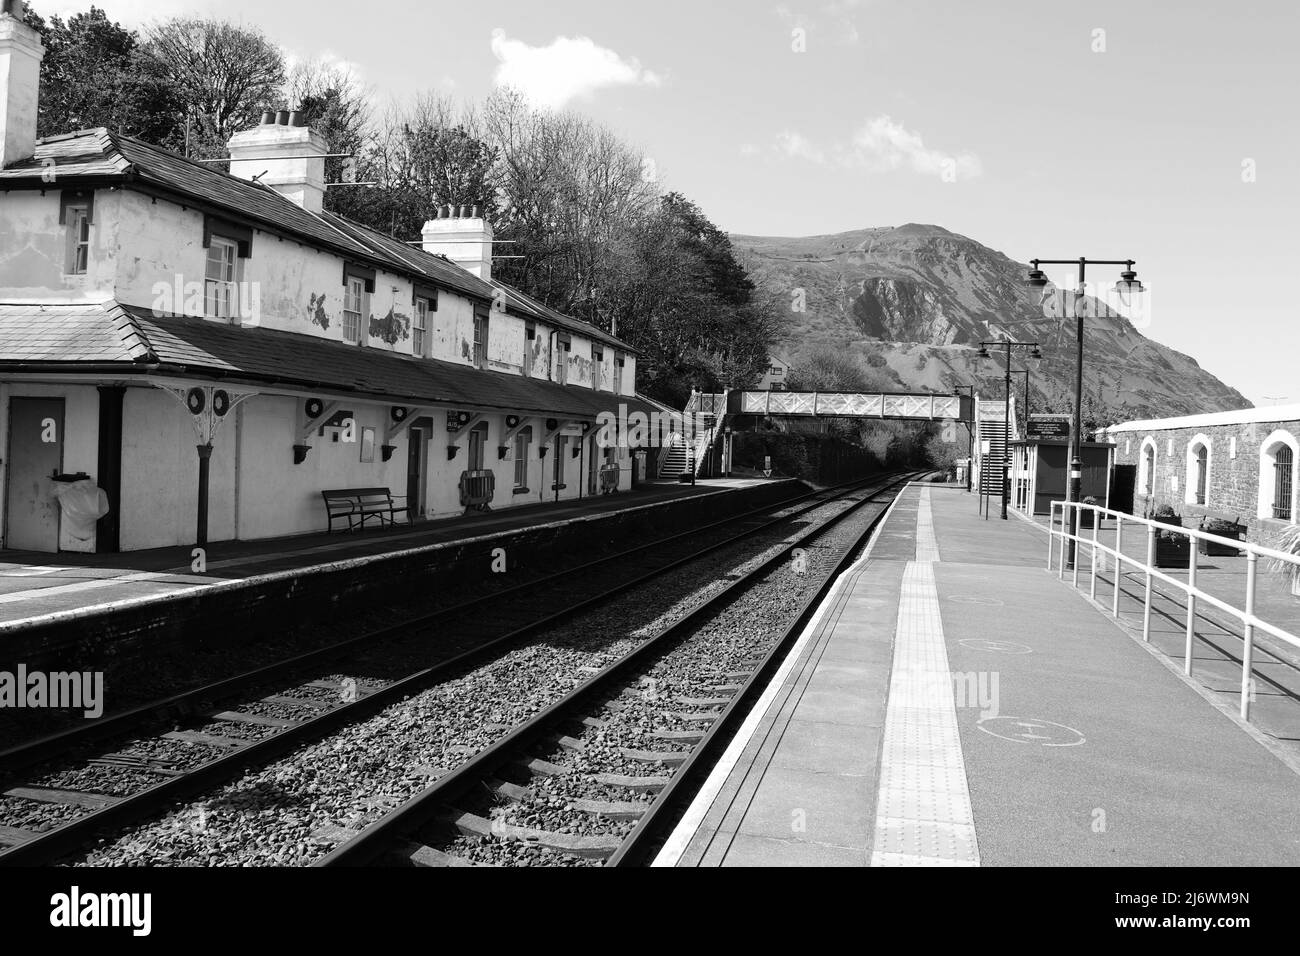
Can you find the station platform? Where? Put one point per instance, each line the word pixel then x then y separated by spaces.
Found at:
pixel 35 585
pixel 955 704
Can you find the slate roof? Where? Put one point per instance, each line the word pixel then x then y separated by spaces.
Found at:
pixel 99 153
pixel 33 337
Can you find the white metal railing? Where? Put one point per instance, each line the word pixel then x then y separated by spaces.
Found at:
pixel 1058 536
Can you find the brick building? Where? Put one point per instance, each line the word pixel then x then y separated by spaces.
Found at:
pixel 1236 465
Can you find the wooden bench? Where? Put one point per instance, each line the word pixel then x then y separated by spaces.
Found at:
pixel 358 505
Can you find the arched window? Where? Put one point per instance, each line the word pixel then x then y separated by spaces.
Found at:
pixel 1283 498
pixel 1198 471
pixel 1147 468
pixel 1278 477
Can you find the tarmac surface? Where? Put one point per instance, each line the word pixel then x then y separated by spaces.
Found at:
pixel 955 704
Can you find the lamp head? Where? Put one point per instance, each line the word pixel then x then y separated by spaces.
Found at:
pixel 1128 283
pixel 1036 276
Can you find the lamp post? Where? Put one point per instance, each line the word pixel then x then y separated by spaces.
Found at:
pixel 1007 345
pixel 1025 373
pixel 970 434
pixel 1127 284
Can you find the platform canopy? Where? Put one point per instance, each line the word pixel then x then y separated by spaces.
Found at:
pixel 912 406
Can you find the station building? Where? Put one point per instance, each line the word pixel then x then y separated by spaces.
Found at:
pixel 1236 465
pixel 216 348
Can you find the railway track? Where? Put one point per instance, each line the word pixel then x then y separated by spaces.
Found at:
pixel 254 718
pixel 478 804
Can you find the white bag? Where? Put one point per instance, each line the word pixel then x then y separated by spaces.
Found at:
pixel 83 503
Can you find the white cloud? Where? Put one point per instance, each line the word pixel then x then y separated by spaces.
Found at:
pixel 749 149
pixel 569 68
pixel 800 146
pixel 882 145
pixel 886 144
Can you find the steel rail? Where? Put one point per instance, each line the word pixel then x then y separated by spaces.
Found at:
pixel 427 805
pixel 52 746
pixel 68 836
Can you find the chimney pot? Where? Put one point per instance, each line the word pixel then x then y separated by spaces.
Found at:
pixel 268 117
pixel 295 118
pixel 282 118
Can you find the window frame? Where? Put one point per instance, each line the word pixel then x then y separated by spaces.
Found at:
pixel 227 283
pixel 530 336
pixel 1269 487
pixel 482 328
pixel 1197 491
pixel 420 327
pixel 77 220
pixel 523 439
pixel 354 293
pixel 1147 471
pixel 564 345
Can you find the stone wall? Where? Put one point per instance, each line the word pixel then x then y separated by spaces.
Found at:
pixel 1239 455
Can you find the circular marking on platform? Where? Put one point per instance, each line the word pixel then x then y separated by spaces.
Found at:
pixel 976 599
pixel 1031 730
pixel 997 647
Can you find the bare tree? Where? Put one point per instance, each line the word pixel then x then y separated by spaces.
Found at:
pixel 224 73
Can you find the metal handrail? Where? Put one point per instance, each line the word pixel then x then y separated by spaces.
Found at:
pixel 1249 619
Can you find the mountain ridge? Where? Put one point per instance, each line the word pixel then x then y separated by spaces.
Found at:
pixel 912 303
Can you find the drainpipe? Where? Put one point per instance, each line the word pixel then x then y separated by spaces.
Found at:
pixel 558 467
pixel 550 358
pixel 582 464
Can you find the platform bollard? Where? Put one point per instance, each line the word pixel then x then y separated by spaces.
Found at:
pixel 1248 638
pixel 1191 610
pixel 1151 563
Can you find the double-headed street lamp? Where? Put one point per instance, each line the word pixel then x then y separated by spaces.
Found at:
pixel 1007 345
pixel 1128 284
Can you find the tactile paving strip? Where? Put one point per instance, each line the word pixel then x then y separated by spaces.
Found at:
pixel 923 809
pixel 927 545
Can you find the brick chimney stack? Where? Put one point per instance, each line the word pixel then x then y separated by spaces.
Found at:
pixel 291 155
pixel 20 77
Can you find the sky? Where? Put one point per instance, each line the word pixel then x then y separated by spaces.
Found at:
pixel 1146 130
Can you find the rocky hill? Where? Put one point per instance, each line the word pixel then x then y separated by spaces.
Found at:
pixel 913 303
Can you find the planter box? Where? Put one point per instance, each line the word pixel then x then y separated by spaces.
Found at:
pixel 1215 549
pixel 1173 552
